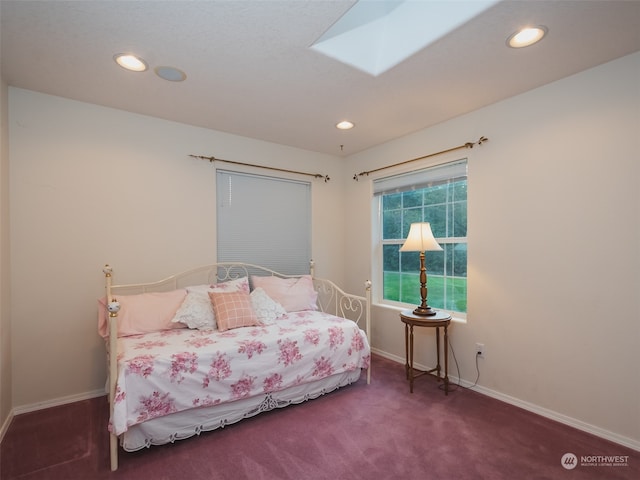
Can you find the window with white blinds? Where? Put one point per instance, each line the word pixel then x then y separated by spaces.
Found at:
pixel 264 220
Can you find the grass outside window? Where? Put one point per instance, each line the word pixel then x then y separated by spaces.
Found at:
pixel 444 293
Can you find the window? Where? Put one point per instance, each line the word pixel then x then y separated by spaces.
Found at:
pixel 264 220
pixel 437 195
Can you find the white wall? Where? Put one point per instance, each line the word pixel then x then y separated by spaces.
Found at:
pixel 5 312
pixel 91 185
pixel 554 263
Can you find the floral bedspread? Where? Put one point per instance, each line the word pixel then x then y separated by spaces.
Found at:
pixel 165 372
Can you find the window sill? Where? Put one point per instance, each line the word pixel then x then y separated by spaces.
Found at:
pixel 456 317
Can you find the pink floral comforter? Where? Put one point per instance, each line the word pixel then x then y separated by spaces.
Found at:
pixel 174 370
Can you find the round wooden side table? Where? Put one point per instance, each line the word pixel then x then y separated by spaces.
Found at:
pixel 410 320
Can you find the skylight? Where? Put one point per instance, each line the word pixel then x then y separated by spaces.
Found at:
pixel 376 35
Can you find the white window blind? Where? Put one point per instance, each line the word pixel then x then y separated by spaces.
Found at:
pixel 264 220
pixel 429 177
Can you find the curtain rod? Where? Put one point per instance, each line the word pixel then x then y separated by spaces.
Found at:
pixel 466 145
pixel 214 159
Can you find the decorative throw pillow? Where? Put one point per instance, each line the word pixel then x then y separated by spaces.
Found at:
pixel 233 310
pixel 197 311
pixel 267 310
pixel 143 313
pixel 294 294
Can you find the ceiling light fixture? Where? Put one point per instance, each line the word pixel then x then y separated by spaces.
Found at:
pixel 130 62
pixel 527 36
pixel 345 125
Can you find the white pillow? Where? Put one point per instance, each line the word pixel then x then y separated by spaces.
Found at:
pixel 267 310
pixel 196 310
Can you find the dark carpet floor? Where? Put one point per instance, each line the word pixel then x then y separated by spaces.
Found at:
pixel 377 431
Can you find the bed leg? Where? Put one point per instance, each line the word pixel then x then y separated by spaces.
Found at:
pixel 367 287
pixel 113 443
pixel 113 306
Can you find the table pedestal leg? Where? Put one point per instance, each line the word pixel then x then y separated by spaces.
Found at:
pixel 438 353
pixel 411 359
pixel 446 361
pixel 406 350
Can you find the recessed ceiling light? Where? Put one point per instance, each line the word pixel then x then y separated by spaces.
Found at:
pixel 527 36
pixel 171 73
pixel 130 62
pixel 345 125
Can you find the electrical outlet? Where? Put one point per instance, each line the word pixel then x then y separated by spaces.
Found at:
pixel 480 350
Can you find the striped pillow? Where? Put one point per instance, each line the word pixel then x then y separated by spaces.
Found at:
pixel 233 310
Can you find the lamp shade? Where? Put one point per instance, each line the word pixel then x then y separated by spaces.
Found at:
pixel 420 239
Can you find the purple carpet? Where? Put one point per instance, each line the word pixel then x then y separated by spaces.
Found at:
pixel 361 431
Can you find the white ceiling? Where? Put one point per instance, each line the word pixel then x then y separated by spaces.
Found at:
pixel 250 70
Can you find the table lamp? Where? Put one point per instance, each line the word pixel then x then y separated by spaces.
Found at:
pixel 420 239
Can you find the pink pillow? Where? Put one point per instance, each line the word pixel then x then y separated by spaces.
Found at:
pixel 233 310
pixel 237 285
pixel 143 313
pixel 294 294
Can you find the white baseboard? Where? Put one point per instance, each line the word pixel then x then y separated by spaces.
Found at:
pixel 5 425
pixel 46 404
pixel 57 402
pixel 389 356
pixel 544 412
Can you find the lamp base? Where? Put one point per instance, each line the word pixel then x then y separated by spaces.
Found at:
pixel 424 311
